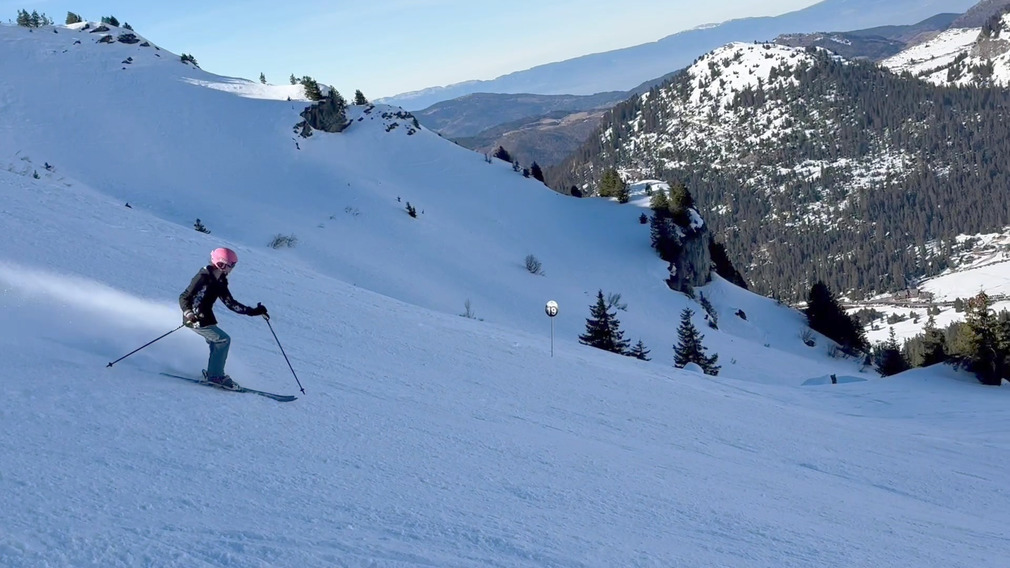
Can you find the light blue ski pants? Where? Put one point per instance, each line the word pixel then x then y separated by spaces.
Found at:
pixel 219 342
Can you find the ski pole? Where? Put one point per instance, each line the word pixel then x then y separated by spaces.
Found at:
pixel 144 345
pixel 284 354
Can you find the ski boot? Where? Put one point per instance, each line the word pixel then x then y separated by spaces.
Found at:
pixel 223 381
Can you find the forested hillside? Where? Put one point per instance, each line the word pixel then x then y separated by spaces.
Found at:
pixel 812 167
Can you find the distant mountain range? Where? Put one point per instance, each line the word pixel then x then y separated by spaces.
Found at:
pixel 547 128
pixel 874 44
pixel 533 128
pixel 623 69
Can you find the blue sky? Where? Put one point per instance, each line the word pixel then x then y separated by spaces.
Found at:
pixel 387 47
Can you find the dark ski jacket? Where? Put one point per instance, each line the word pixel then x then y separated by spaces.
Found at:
pixel 204 290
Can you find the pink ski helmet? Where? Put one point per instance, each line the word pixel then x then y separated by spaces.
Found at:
pixel 223 258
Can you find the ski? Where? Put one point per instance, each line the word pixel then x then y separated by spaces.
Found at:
pixel 277 397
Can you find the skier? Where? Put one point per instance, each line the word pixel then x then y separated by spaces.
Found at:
pixel 197 303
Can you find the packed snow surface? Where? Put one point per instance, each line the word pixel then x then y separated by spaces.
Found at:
pixel 423 438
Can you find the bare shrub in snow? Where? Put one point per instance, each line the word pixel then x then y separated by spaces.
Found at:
pixel 283 241
pixel 533 265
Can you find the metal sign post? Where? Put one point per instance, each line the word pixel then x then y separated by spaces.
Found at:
pixel 552 310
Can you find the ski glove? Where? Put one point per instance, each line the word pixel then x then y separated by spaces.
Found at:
pixel 190 319
pixel 259 310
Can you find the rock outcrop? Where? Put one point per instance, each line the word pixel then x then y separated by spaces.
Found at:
pixel 328 115
pixel 691 266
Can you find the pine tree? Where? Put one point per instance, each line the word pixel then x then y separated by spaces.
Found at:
pixel 722 264
pixel 934 344
pixel 689 348
pixel 639 352
pixel 536 172
pixel 338 99
pixel 825 315
pixel 659 201
pixel 665 238
pixel 359 98
pixel 263 79
pixel 24 19
pixel 611 184
pixel 73 18
pixel 603 330
pixel 312 90
pixel 983 355
pixel 710 314
pixel 623 193
pixel 679 202
pixel 502 154
pixel 293 80
pixel 889 359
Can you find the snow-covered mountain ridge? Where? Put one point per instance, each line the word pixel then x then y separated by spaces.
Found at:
pixel 816 159
pixel 424 438
pixel 961 56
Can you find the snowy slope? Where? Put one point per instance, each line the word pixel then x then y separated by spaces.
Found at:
pixel 424 438
pixel 960 56
pixel 164 142
pixel 929 58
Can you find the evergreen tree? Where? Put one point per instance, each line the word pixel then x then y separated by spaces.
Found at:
pixel 623 193
pixel 24 19
pixel 665 237
pixel 659 201
pixel 293 80
pixel 337 98
pixel 982 341
pixel 312 90
pixel 639 352
pixel 889 359
pixel 710 314
pixel 73 18
pixel 603 330
pixel 825 315
pixel 723 265
pixel 536 172
pixel 679 201
pixel 934 347
pixel 689 348
pixel 359 98
pixel 502 154
pixel 611 184
pixel 263 79
pixel 127 26
pixel 111 20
